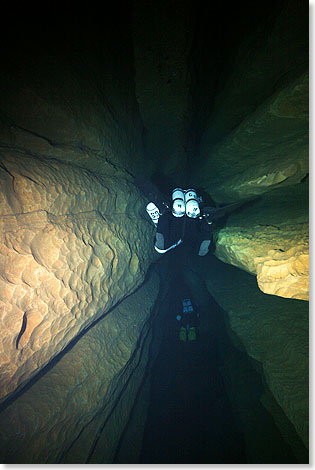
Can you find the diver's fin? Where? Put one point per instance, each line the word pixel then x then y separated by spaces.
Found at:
pixel 192 334
pixel 182 334
pixel 153 212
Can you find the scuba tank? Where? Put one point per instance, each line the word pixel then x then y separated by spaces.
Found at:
pixel 178 198
pixel 192 204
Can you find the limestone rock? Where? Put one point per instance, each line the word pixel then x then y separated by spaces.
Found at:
pixel 256 142
pixel 281 271
pixel 285 274
pixel 267 153
pixel 72 246
pixel 272 330
pixel 267 150
pixel 270 239
pixel 267 58
pixel 162 35
pixel 70 96
pixel 82 388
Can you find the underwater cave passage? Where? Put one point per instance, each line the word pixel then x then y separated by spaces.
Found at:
pixel 192 416
pixel 181 94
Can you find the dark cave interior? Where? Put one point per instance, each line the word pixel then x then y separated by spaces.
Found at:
pixel 179 93
pixel 190 418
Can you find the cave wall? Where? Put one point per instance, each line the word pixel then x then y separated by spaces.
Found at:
pixel 64 260
pixel 127 448
pixel 91 385
pixel 269 51
pixel 70 216
pixel 68 87
pixel 89 101
pixel 255 143
pixel 74 238
pixel 270 238
pixel 162 34
pixel 273 332
pixel 249 141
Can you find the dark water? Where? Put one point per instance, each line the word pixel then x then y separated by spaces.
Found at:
pixel 190 417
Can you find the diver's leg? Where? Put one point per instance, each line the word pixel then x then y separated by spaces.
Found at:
pixel 182 329
pixel 161 236
pixel 167 234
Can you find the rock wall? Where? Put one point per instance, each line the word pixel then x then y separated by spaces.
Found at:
pixel 68 89
pixel 92 384
pixel 162 34
pixel 252 143
pixel 129 444
pixel 272 53
pixel 274 332
pixel 270 238
pixel 256 142
pixel 75 241
pixel 269 148
pixel 72 246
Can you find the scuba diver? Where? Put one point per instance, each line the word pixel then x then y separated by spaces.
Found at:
pixel 184 223
pixel 188 321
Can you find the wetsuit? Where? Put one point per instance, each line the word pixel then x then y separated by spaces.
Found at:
pixel 187 319
pixel 188 322
pixel 173 231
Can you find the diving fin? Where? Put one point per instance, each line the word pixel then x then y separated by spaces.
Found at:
pixel 192 334
pixel 153 212
pixel 182 334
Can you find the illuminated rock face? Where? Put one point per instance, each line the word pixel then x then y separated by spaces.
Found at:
pixel 285 275
pixel 274 248
pixel 75 240
pixel 281 272
pixel 58 418
pixel 64 260
pixel 263 152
